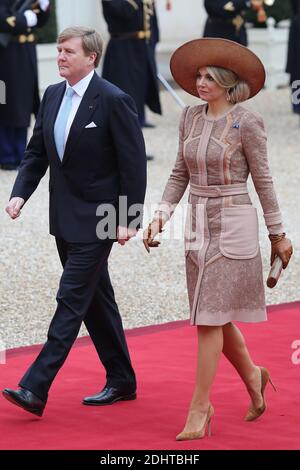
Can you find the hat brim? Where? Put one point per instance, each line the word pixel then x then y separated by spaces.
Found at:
pixel 188 58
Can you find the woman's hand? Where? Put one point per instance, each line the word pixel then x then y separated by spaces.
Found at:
pixel 150 233
pixel 282 247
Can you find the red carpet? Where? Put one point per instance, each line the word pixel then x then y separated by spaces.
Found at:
pixel 164 358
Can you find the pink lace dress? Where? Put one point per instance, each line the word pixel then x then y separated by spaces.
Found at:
pixel 223 260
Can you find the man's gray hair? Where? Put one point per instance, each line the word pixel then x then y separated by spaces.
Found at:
pixel 91 40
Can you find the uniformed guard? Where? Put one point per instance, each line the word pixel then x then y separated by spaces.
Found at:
pixel 129 61
pixel 226 18
pixel 293 62
pixel 18 71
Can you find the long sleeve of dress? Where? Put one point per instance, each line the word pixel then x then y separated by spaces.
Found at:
pixel 179 177
pixel 254 142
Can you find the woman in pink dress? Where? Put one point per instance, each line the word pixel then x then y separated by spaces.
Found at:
pixel 220 144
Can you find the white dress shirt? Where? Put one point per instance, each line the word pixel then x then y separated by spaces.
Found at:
pixel 80 89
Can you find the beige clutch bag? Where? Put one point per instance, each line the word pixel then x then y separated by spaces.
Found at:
pixel 274 273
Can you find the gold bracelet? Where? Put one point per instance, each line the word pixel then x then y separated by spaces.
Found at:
pixel 275 238
pixel 160 223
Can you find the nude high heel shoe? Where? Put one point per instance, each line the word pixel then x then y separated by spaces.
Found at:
pixel 188 436
pixel 254 412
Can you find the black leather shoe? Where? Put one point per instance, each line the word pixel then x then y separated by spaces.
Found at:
pixel 25 399
pixel 108 396
pixel 149 158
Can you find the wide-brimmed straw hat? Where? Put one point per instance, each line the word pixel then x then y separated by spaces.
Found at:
pixel 188 58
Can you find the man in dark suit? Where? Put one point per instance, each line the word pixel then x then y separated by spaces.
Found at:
pixel 87 132
pixel 18 55
pixel 293 59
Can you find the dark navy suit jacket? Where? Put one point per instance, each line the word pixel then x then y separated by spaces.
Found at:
pixel 99 164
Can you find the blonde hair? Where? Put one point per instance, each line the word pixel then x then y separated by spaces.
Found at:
pixel 91 40
pixel 237 90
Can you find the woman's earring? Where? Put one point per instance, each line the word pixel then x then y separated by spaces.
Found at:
pixel 228 98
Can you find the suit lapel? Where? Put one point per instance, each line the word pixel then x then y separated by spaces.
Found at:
pixel 88 105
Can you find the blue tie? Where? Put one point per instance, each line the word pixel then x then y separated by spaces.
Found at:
pixel 61 123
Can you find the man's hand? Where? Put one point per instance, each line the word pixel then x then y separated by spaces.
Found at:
pixel 124 234
pixel 14 207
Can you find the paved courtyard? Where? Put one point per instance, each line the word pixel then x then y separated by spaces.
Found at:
pixel 150 289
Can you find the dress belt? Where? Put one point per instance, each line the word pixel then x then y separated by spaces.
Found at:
pixel 221 190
